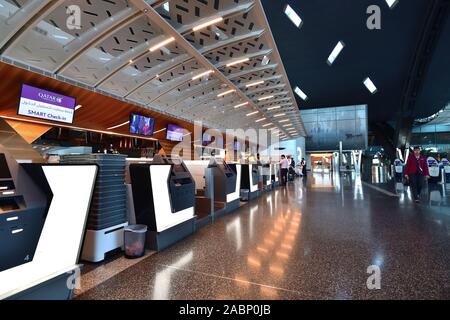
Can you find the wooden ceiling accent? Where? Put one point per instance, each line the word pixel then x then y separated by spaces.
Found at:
pixel 98 112
pixel 28 131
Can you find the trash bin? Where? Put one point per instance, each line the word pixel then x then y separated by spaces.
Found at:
pixel 134 240
pixel 245 194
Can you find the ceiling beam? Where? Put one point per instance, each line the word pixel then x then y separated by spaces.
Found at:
pixel 97 35
pixel 181 41
pixel 26 19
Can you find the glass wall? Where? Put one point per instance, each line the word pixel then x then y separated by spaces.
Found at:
pixel 326 127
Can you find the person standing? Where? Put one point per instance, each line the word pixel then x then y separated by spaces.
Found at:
pixel 303 164
pixel 284 165
pixel 416 171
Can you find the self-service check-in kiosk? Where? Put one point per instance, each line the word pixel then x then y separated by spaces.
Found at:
pixel 398 169
pixel 108 212
pixel 276 174
pixel 267 176
pixel 445 165
pixel 43 213
pixel 433 169
pixel 217 188
pixel 164 199
pixel 249 181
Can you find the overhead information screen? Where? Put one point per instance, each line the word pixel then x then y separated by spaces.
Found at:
pixel 47 105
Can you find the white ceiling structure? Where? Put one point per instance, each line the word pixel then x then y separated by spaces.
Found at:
pixel 147 53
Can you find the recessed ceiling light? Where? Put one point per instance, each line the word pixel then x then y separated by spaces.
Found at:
pixel 287 125
pixel 225 93
pixel 202 74
pixel 254 84
pixel 391 3
pixel 162 44
pixel 252 113
pixel 285 120
pixel 166 6
pixel 240 105
pixel 267 124
pixel 265 98
pixel 265 61
pixel 279 115
pixel 300 93
pixel 206 24
pixel 259 120
pixel 370 86
pixel 293 16
pixel 273 108
pixel 335 53
pixel 237 62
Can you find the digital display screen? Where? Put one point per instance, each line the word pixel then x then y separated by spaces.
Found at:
pixel 47 105
pixel 174 133
pixel 141 125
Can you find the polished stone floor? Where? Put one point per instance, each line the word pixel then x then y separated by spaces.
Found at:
pixel 310 240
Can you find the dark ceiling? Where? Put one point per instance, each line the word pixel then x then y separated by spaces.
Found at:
pixel 386 55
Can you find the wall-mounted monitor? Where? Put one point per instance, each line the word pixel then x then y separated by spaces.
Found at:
pixel 141 125
pixel 174 133
pixel 47 105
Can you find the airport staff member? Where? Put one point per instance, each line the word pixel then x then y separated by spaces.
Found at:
pixel 284 165
pixel 415 170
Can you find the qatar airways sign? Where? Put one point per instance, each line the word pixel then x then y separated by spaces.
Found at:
pixel 43 104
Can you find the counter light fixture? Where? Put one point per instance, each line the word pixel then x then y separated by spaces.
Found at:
pixel 300 93
pixel 253 84
pixel 206 24
pixel 225 93
pixel 78 107
pixel 233 63
pixel 202 74
pixel 293 16
pixel 335 53
pixel 160 130
pixel 119 125
pixel 162 44
pixel 241 105
pixel 265 98
pixel 391 3
pixel 370 86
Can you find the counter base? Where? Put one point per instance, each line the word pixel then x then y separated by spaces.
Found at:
pixel 233 205
pixel 200 223
pixel 99 242
pixel 53 289
pixel 158 241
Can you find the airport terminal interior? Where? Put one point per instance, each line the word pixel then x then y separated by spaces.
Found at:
pixel 224 149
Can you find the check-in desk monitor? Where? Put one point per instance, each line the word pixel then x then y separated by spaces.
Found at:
pixel 163 193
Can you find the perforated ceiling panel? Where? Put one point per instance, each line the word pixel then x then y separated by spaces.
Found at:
pixel 153 53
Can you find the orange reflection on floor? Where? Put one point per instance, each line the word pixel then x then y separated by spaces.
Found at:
pixel 254 262
pixel 269 241
pixel 283 255
pixel 269 292
pixel 242 281
pixel 286 246
pixel 262 249
pixel 276 269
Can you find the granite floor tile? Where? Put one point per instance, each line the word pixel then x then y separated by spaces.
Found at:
pixel 314 239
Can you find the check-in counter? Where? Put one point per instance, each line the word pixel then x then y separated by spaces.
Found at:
pixel 250 181
pixel 276 174
pixel 43 214
pixel 164 200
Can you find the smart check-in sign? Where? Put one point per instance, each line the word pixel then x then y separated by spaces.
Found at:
pixel 43 104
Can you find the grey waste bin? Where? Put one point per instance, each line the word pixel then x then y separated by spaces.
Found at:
pixel 134 240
